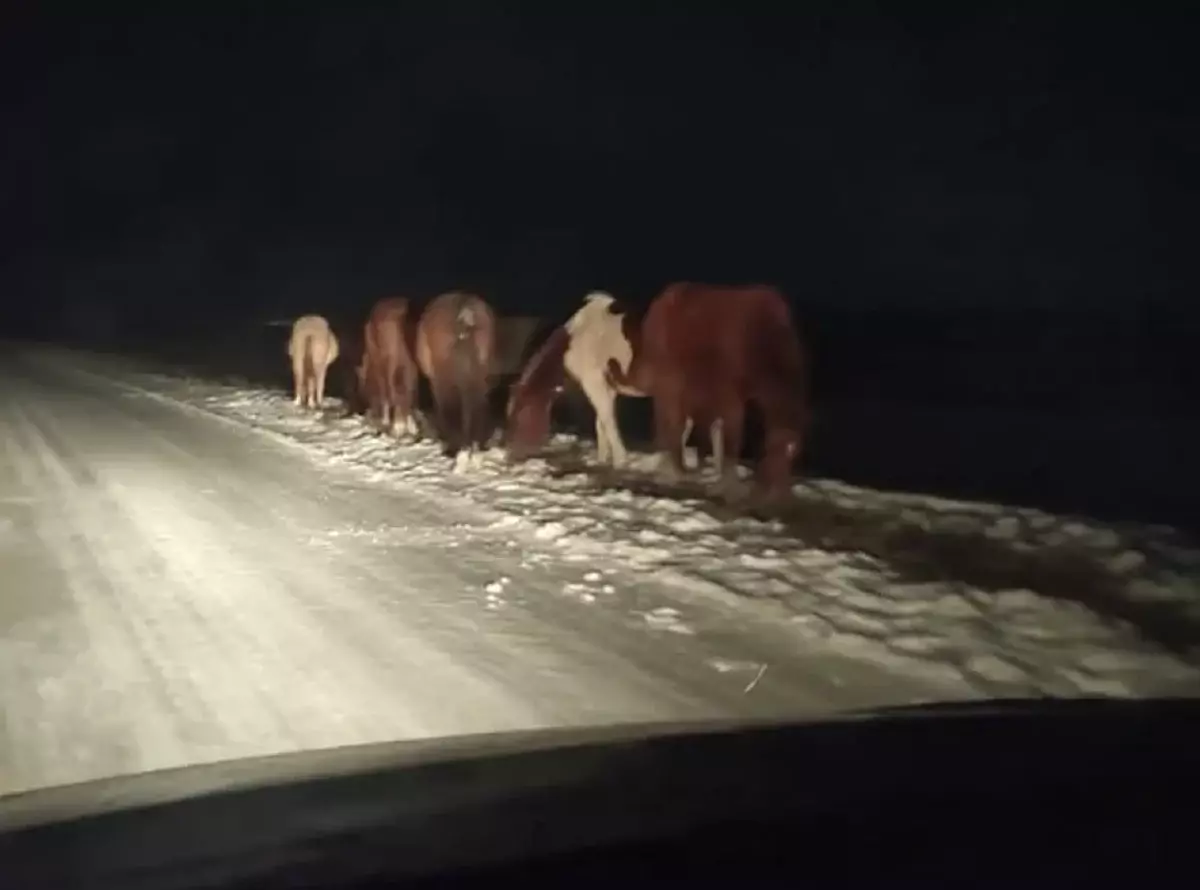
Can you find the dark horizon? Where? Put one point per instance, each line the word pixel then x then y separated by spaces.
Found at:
pixel 858 161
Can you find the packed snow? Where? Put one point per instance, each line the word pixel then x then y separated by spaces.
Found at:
pixel 1069 631
pixel 238 596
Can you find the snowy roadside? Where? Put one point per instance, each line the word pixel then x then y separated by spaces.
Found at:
pixel 1000 638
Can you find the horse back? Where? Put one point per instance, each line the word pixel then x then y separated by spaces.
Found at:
pixel 742 333
pixel 449 320
pixel 305 329
pixel 387 359
pixel 385 330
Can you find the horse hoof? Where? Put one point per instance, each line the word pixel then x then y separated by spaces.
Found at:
pixel 670 475
pixel 771 502
pixel 732 491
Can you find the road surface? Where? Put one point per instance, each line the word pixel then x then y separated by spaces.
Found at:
pixel 179 588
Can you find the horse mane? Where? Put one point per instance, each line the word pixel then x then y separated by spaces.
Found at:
pixel 544 371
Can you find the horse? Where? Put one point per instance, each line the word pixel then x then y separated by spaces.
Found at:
pixel 704 352
pixel 600 332
pixel 515 335
pixel 352 353
pixel 312 348
pixel 387 373
pixel 455 344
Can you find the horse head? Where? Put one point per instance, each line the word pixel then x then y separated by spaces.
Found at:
pixel 786 419
pixel 527 416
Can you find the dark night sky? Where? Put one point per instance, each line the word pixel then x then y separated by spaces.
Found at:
pixel 308 161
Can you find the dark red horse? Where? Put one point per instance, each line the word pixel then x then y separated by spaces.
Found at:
pixel 543 379
pixel 704 352
pixel 455 346
pixel 387 374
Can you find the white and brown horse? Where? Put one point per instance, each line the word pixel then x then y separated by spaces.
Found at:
pixel 599 333
pixel 312 349
pixel 455 346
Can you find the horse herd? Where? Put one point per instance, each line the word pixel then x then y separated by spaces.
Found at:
pixel 702 353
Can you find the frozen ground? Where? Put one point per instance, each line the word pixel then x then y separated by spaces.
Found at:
pixel 179 588
pixel 197 571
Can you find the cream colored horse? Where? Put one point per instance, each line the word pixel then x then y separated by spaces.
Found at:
pixel 313 348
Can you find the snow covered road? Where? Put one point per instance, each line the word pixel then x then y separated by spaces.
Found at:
pixel 176 587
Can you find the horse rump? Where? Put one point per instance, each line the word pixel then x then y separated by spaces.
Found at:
pixel 302 347
pixel 389 373
pixel 455 344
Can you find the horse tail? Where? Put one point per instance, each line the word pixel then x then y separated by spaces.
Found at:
pixel 465 358
pixel 307 348
pixel 637 380
pixel 616 375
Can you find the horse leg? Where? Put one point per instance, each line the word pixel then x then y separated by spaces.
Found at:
pixel 609 447
pixel 669 424
pixel 459 430
pixel 466 421
pixel 603 446
pixel 443 402
pixel 688 427
pixel 409 383
pixel 298 378
pixel 469 407
pixel 716 436
pixel 391 424
pixel 324 369
pixel 482 431
pixel 479 417
pixel 729 437
pixel 399 397
pixel 396 420
pixel 465 425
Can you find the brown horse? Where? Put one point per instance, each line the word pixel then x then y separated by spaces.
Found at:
pixel 456 339
pixel 387 374
pixel 351 347
pixel 703 353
